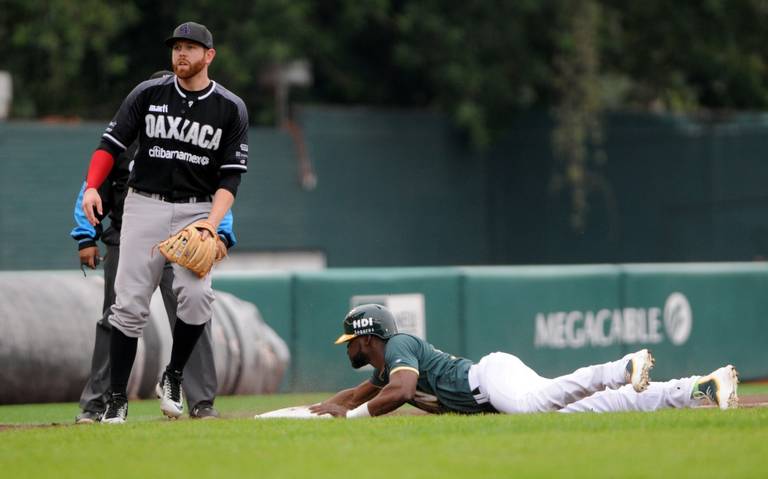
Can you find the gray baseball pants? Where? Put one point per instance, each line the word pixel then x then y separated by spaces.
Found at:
pixel 200 382
pixel 147 222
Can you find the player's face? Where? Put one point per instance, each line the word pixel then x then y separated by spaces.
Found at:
pixel 357 357
pixel 188 58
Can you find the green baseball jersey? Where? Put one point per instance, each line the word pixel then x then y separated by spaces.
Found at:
pixel 442 386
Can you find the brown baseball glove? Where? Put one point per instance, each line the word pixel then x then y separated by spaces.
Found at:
pixel 189 249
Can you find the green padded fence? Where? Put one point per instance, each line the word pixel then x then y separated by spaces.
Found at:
pixel 695 317
pixel 726 313
pixel 508 309
pixel 323 298
pixel 272 293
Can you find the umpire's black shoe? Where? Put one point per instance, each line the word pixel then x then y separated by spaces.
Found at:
pixel 169 392
pixel 117 409
pixel 204 410
pixel 88 417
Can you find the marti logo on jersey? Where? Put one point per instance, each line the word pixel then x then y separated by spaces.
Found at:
pixel 605 327
pixel 171 128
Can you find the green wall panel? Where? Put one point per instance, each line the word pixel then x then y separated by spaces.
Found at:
pixel 532 312
pixel 272 293
pixel 323 299
pixel 695 317
pixel 712 314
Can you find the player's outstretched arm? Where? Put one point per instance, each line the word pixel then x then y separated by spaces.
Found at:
pixel 400 390
pixel 349 398
pixel 367 400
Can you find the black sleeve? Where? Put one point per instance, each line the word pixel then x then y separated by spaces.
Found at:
pixel 234 156
pixel 230 181
pixel 110 148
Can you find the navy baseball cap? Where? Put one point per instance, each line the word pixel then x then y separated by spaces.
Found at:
pixel 191 31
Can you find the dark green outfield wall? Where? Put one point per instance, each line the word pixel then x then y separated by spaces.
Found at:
pixel 42 168
pixel 399 188
pixel 394 189
pixel 673 189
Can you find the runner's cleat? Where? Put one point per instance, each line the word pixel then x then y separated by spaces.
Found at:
pixel 638 369
pixel 720 387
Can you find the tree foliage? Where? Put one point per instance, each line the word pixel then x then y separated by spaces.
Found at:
pixel 577 136
pixel 695 56
pixel 478 61
pixel 49 43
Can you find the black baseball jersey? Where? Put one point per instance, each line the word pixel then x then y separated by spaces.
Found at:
pixel 187 140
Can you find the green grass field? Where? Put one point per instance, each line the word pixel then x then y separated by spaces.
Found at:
pixel 42 442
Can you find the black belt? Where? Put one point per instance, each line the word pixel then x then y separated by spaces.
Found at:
pixel 169 199
pixel 480 398
pixel 483 401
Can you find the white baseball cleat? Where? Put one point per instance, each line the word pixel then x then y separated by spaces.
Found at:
pixel 719 387
pixel 168 390
pixel 637 372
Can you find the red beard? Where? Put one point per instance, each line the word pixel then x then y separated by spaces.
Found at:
pixel 190 70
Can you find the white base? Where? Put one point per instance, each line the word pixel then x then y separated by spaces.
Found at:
pixel 294 412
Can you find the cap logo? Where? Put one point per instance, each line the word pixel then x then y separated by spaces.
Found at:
pixel 184 29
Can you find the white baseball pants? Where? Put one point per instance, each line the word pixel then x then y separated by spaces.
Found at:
pixel 513 387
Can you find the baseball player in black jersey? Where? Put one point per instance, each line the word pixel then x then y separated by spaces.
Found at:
pixel 192 148
pixel 409 369
pixel 200 383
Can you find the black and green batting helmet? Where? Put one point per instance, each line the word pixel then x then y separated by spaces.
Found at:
pixel 373 319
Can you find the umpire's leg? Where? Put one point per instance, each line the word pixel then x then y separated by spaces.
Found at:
pixel 200 383
pixel 93 397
